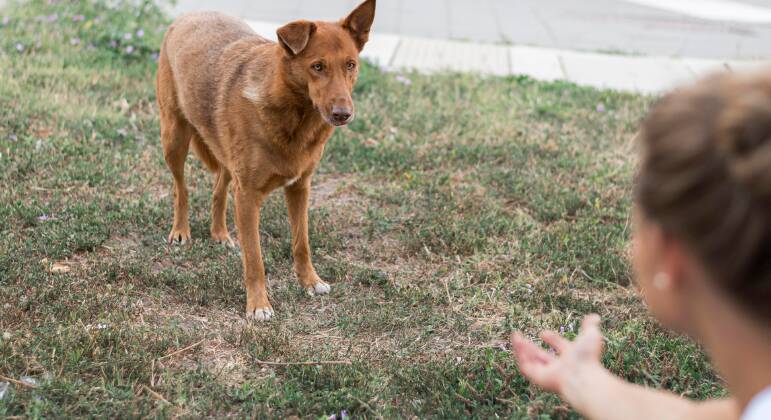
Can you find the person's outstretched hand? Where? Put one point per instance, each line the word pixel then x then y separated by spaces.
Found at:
pixel 553 372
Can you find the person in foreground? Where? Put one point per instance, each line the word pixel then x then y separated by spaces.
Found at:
pixel 702 257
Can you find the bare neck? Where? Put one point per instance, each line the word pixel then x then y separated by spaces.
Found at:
pixel 739 344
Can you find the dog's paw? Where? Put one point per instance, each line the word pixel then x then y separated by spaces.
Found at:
pixel 225 240
pixel 179 236
pixel 320 288
pixel 260 314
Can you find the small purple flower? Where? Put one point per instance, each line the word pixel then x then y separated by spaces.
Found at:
pixel 600 108
pixel 113 43
pixel 403 80
pixel 129 49
pixel 6 20
pixel 140 33
pixel 154 56
pixel 344 415
pixel 128 36
pixel 19 47
pixel 45 218
pixel 562 330
pixel 78 18
pixel 75 41
pixel 52 18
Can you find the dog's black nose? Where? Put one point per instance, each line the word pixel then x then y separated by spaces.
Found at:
pixel 341 115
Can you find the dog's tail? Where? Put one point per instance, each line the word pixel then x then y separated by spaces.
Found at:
pixel 202 151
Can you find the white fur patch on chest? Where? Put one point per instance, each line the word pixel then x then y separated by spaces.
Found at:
pixel 253 94
pixel 291 182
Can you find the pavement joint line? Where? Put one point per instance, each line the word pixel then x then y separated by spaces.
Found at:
pixel 563 67
pixel 510 59
pixel 396 51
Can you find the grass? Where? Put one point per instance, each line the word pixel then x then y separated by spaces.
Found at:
pixel 455 210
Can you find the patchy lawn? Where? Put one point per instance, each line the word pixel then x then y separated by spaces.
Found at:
pixel 454 210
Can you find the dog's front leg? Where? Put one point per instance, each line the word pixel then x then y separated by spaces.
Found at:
pixel 247 207
pixel 297 196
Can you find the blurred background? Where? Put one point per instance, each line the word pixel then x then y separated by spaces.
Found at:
pixel 714 29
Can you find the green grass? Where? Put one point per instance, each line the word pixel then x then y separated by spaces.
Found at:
pixel 453 211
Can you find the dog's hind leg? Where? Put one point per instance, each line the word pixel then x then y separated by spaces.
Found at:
pixel 219 206
pixel 175 135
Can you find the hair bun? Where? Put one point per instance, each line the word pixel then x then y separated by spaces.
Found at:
pixel 744 138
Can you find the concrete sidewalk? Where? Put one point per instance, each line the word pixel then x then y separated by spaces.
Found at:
pixel 715 29
pixel 648 75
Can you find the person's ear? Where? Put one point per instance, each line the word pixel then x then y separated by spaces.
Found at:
pixel 359 22
pixel 675 262
pixel 294 37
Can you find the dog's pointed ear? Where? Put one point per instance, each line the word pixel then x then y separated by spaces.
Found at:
pixel 294 37
pixel 359 22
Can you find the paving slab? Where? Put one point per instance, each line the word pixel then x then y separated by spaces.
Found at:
pixel 701 67
pixel 265 29
pixel 719 10
pixel 430 55
pixel 638 74
pixel 539 63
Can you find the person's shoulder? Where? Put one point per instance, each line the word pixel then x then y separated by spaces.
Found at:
pixel 760 407
pixel 726 409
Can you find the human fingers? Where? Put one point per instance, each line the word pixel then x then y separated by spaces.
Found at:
pixel 526 350
pixel 555 340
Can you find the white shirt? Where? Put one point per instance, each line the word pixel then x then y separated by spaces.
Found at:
pixel 760 407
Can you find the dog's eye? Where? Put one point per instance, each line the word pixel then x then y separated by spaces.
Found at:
pixel 318 67
pixel 351 65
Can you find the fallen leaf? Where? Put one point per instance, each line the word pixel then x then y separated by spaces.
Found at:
pixel 60 268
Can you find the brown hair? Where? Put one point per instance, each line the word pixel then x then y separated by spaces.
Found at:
pixel 705 177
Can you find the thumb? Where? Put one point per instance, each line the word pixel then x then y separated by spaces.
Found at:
pixel 591 322
pixel 590 337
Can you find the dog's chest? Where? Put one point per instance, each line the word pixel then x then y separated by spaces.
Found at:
pixel 301 150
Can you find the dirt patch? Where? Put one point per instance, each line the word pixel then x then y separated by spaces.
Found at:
pixel 333 191
pixel 121 244
pixel 218 355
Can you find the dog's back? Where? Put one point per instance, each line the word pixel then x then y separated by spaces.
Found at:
pixel 192 58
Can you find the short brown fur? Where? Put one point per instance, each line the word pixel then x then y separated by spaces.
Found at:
pixel 257 113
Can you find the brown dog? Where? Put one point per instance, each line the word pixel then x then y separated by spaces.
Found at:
pixel 258 113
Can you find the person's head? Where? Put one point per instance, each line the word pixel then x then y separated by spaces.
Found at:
pixel 703 200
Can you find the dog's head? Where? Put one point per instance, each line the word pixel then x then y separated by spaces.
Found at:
pixel 323 59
